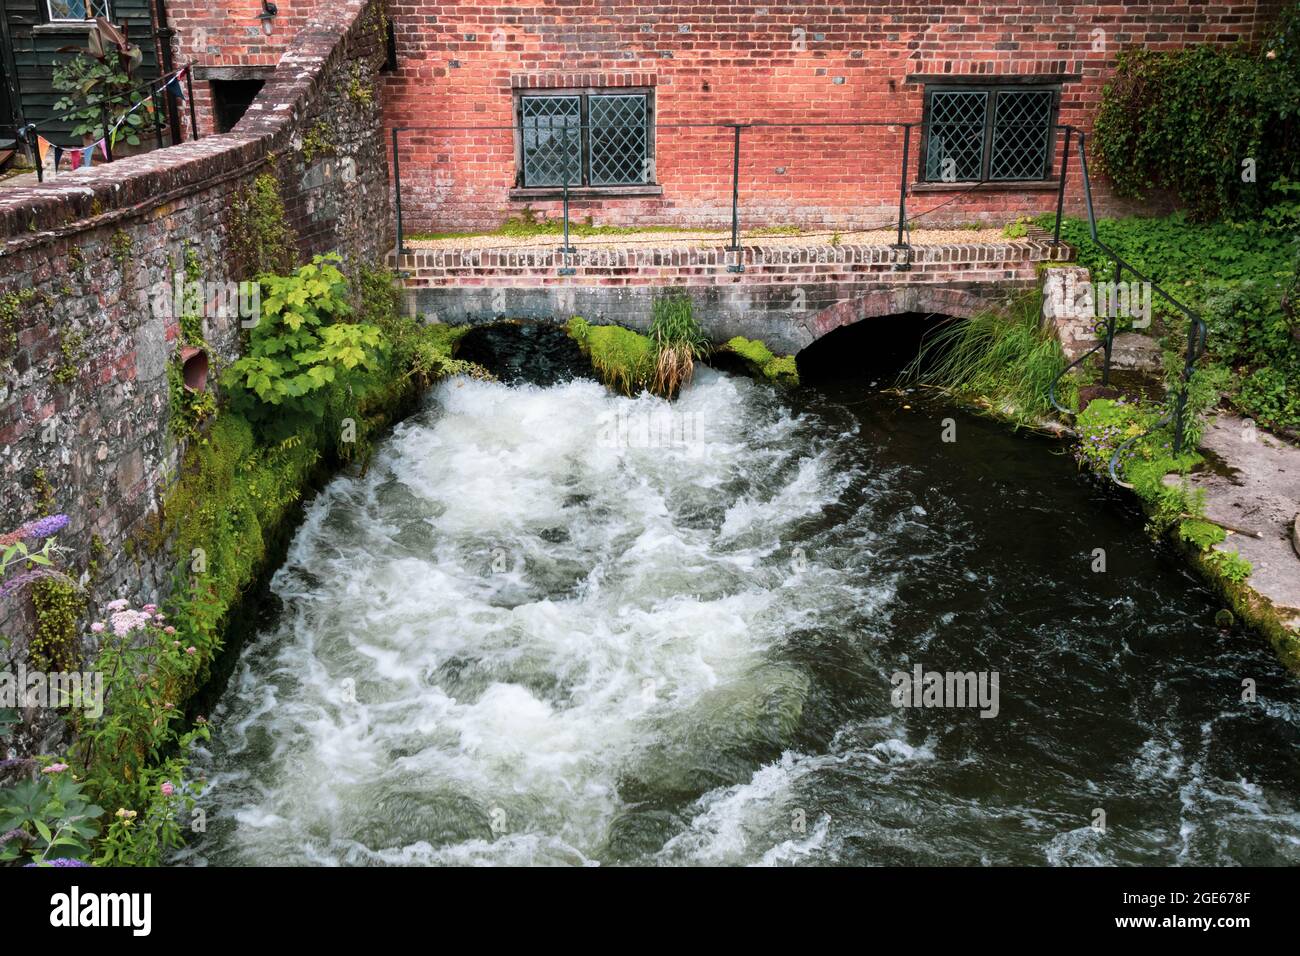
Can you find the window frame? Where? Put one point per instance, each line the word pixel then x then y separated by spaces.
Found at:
pixel 992 87
pixel 75 21
pixel 585 187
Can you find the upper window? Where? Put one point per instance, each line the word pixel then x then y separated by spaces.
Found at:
pixel 977 134
pixel 65 10
pixel 586 138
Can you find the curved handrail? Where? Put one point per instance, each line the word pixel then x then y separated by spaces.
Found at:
pixel 1197 334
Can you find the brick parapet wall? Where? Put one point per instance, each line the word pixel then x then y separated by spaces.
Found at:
pixel 760 264
pixel 84 396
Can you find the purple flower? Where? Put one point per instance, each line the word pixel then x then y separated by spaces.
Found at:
pixel 60 861
pixel 40 528
pixel 22 580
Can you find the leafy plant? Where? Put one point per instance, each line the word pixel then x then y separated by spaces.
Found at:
pixel 1230 565
pixel 299 348
pixel 99 84
pixel 1241 277
pixel 46 818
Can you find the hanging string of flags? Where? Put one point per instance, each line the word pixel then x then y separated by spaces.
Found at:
pixel 85 155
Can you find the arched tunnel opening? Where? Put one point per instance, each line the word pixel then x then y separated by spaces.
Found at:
pixel 877 349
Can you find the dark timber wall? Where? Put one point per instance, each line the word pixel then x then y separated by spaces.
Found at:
pixel 34 43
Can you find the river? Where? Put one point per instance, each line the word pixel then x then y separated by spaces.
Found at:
pixel 555 626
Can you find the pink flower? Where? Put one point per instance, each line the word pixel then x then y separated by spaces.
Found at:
pixel 151 608
pixel 97 627
pixel 55 768
pixel 169 629
pixel 120 604
pixel 126 621
pixel 168 789
pixel 191 650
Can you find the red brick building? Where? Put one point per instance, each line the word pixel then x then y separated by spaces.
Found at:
pixel 618 98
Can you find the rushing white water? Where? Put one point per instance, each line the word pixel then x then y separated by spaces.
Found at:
pixel 554 626
pixel 523 608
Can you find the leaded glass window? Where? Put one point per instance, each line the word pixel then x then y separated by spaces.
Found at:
pixel 77 9
pixel 993 133
pixel 586 139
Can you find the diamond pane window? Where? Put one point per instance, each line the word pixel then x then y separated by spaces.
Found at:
pixel 1022 120
pixel 954 150
pixel 552 140
pixel 77 9
pixel 618 140
pixel 994 133
pixel 595 138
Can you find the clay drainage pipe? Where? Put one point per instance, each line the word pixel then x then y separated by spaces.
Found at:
pixel 194 369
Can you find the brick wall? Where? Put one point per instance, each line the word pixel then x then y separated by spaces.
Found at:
pixel 84 397
pixel 750 62
pixel 228 33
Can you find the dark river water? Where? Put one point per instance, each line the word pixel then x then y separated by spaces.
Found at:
pixel 554 626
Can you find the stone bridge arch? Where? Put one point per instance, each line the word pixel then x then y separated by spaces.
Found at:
pixel 899 300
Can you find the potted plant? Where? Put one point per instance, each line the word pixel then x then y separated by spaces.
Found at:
pixel 98 83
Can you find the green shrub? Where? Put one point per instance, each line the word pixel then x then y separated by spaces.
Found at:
pixel 303 361
pixel 1239 276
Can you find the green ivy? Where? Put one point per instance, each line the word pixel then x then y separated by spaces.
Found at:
pixel 1243 278
pixel 1200 120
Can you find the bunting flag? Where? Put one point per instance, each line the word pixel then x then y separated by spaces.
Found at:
pixel 58 157
pixel 74 158
pixel 42 147
pixel 103 147
pixel 174 86
pixel 88 155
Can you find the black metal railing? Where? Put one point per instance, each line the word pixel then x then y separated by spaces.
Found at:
pixel 736 132
pixel 1196 336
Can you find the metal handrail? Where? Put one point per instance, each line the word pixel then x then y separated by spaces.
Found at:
pixel 904 221
pixel 1197 335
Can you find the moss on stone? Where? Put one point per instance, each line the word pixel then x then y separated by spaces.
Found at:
pixel 260 239
pixel 58 605
pixel 761 362
pixel 624 360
